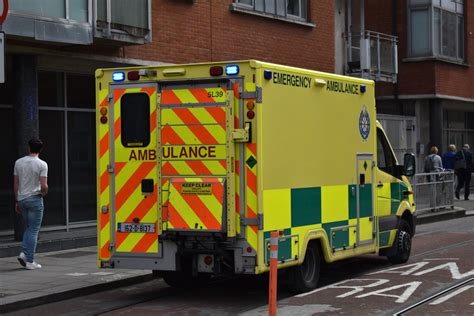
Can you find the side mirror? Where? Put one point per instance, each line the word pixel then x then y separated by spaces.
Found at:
pixel 409 165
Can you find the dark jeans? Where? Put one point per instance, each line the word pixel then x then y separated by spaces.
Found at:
pixel 464 181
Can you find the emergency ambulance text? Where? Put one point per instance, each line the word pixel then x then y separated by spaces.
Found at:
pixel 189 152
pixel 175 152
pixel 291 80
pixel 336 86
pixel 145 154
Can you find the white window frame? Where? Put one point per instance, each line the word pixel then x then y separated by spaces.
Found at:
pixel 303 17
pixel 442 6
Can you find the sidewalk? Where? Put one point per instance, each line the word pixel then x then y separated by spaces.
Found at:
pixel 461 208
pixel 70 273
pixel 65 274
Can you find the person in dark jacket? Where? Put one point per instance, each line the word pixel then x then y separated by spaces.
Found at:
pixel 449 157
pixel 464 173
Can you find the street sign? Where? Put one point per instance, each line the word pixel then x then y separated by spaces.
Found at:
pixel 2 57
pixel 3 10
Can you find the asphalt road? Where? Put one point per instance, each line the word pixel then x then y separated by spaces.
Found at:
pixel 438 279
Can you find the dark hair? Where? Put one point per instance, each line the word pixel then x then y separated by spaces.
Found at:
pixel 35 145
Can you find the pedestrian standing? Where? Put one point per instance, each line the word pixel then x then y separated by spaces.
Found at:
pixel 30 185
pixel 433 163
pixel 463 168
pixel 449 157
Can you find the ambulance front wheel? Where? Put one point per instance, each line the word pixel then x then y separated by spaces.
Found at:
pixel 402 243
pixel 305 277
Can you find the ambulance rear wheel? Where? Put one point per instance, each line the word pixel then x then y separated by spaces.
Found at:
pixel 402 243
pixel 305 277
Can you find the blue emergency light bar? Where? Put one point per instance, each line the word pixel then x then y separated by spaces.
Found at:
pixel 232 70
pixel 118 76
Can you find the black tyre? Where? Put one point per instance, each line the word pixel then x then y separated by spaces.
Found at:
pixel 185 278
pixel 402 243
pixel 305 277
pixel 182 280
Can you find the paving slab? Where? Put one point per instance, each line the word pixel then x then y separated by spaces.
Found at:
pixel 62 277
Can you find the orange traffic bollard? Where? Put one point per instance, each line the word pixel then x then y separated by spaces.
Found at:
pixel 272 292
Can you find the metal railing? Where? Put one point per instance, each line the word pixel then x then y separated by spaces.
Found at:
pixel 372 55
pixel 433 191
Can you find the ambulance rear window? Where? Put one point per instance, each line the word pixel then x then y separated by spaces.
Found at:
pixel 135 120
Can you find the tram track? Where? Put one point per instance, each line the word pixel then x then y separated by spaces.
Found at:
pixel 434 296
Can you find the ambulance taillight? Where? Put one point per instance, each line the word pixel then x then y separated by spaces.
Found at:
pixel 250 108
pixel 216 71
pixel 103 115
pixel 133 75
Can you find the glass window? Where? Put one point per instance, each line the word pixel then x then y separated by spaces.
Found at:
pixel 102 10
pixel 7 161
pixel 470 121
pixel 80 91
pixel 81 164
pixel 51 125
pixel 456 119
pixel 78 10
pixel 50 89
pixel 283 8
pixel 121 13
pixel 135 119
pixel 46 8
pixel 460 37
pixel 420 44
pixel 294 8
pixel 437 31
pixel 437 28
pixel 449 28
pixel 385 159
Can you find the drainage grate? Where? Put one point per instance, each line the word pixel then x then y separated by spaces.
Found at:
pixel 72 254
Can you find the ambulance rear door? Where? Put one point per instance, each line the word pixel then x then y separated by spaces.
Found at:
pixel 197 166
pixel 133 170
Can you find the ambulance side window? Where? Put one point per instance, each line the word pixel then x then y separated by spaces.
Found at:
pixel 385 160
pixel 135 119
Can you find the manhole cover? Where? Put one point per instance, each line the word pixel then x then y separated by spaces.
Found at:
pixel 72 254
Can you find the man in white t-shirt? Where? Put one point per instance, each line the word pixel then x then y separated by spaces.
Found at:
pixel 30 184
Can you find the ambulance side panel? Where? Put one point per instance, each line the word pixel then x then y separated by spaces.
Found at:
pixel 316 162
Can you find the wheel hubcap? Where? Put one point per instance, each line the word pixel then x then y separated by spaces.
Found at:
pixel 405 241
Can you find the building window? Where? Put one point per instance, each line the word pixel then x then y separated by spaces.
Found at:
pixel 290 9
pixel 67 127
pixel 77 10
pixel 437 29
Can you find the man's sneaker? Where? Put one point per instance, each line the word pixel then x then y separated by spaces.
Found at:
pixel 32 265
pixel 457 195
pixel 22 259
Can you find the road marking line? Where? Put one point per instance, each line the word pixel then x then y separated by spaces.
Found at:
pixel 77 274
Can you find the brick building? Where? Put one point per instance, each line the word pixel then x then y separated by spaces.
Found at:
pixel 434 89
pixel 53 48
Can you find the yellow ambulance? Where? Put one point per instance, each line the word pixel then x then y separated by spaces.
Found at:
pixel 198 163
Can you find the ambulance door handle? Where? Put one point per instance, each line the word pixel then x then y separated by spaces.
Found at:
pixel 380 185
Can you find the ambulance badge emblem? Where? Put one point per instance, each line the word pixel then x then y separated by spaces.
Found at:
pixel 364 123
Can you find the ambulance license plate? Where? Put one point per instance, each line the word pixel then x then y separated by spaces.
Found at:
pixel 135 228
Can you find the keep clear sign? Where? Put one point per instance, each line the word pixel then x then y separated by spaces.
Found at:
pixel 199 188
